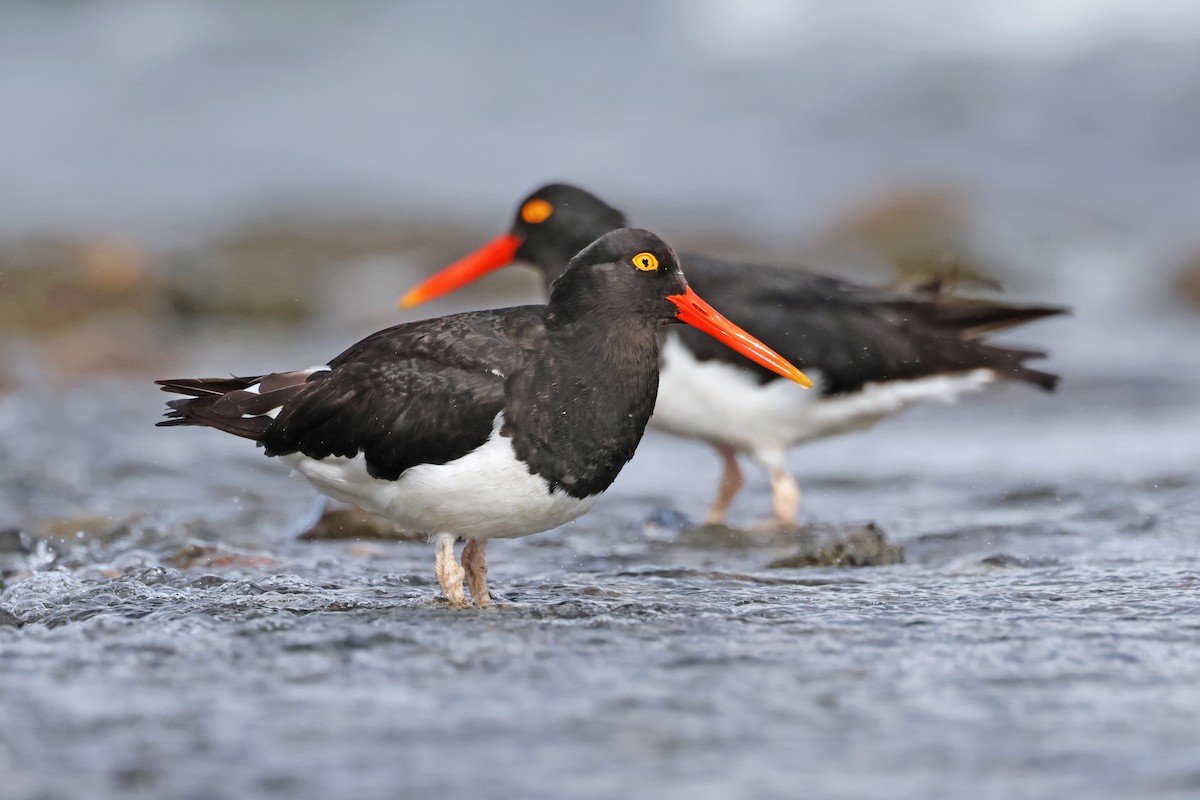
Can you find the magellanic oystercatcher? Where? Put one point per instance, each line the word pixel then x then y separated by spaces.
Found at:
pixel 873 352
pixel 486 424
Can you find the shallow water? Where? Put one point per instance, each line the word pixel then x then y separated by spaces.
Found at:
pixel 1043 639
pixel 164 634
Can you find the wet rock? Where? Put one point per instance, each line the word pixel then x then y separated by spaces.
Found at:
pixel 861 547
pixel 1035 494
pixel 200 556
pixel 66 530
pixel 725 537
pixel 1187 282
pixel 338 524
pixel 1006 561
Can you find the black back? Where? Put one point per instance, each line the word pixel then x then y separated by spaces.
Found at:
pixel 849 334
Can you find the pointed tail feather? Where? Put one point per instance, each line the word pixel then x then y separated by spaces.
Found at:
pixel 1009 362
pixel 203 387
pixel 976 319
pixel 241 406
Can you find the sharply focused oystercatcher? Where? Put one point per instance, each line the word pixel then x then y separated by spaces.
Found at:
pixel 873 352
pixel 486 424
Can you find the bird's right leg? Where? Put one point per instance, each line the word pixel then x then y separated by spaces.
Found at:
pixel 474 560
pixel 449 572
pixel 731 484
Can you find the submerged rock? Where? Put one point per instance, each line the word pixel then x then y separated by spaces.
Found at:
pixel 860 547
pixel 207 556
pixel 725 537
pixel 63 531
pixel 338 524
pixel 1006 561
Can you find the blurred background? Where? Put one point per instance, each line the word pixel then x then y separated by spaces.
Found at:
pixel 193 188
pixel 295 165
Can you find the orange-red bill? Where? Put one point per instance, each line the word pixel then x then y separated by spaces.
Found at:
pixel 495 254
pixel 701 315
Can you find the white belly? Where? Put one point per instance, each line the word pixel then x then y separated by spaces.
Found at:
pixel 723 404
pixel 488 493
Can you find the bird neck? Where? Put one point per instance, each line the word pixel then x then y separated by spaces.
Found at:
pixel 612 348
pixel 552 254
pixel 584 410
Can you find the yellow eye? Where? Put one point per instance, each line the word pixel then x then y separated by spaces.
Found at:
pixel 645 262
pixel 536 210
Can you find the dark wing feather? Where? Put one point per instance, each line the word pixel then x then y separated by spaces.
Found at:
pixel 397 414
pixel 421 392
pixel 852 334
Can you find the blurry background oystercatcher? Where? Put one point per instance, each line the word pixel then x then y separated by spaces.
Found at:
pixel 876 352
pixel 181 178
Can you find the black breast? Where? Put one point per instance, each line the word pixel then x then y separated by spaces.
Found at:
pixel 577 414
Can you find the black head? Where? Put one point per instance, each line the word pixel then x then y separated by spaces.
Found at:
pixel 629 279
pixel 557 221
pixel 628 274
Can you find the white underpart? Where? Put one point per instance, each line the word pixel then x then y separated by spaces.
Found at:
pixel 488 493
pixel 274 412
pixel 724 404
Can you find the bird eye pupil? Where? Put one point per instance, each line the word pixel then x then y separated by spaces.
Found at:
pixel 646 262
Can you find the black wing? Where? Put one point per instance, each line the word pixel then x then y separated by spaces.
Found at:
pixel 853 334
pixel 419 393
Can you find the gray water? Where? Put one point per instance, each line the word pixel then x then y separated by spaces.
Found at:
pixel 1043 639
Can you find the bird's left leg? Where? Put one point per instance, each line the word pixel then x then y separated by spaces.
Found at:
pixel 449 573
pixel 731 484
pixel 785 492
pixel 474 561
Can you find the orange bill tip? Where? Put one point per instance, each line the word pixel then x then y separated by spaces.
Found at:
pixel 699 314
pixel 492 256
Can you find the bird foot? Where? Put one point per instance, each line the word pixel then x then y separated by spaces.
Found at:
pixel 452 591
pixel 450 574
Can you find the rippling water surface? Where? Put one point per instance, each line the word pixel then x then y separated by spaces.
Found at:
pixel 163 632
pixel 1042 640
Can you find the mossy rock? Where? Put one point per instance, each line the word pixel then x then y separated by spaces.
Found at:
pixel 860 547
